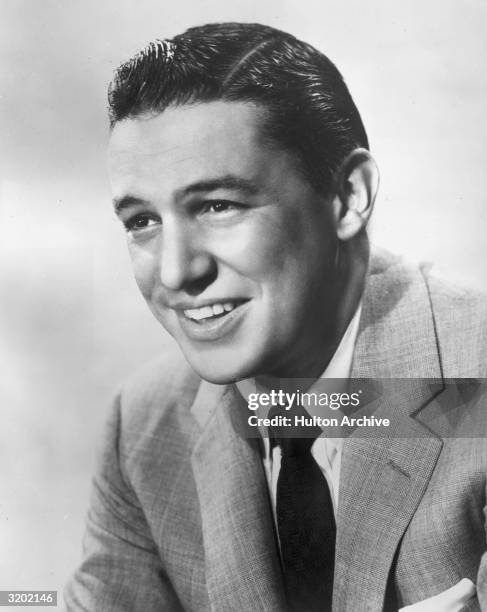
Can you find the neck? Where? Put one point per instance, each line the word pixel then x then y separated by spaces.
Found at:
pixel 311 363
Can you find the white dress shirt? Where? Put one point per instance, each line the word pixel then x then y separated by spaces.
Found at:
pixel 326 451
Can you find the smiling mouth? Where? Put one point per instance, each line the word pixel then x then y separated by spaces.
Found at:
pixel 212 312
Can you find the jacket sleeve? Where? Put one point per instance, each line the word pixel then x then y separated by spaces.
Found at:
pixel 121 568
pixel 482 573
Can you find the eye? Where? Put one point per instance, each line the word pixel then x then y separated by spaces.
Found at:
pixel 221 206
pixel 140 222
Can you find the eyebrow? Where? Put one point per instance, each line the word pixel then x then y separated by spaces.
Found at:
pixel 225 182
pixel 128 201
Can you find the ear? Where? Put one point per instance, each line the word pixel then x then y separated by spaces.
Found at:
pixel 356 188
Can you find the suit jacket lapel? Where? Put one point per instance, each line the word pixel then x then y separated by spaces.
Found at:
pixel 383 479
pixel 381 484
pixel 242 563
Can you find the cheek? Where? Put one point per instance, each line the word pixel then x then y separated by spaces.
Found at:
pixel 261 249
pixel 144 265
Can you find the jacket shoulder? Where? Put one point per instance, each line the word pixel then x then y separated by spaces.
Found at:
pixel 161 381
pixel 155 402
pixel 460 316
pixel 404 300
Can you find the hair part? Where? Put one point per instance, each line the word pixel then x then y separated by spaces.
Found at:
pixel 309 109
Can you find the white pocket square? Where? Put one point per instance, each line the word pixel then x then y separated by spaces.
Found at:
pixel 451 600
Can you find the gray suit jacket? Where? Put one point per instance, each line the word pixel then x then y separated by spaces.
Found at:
pixel 180 516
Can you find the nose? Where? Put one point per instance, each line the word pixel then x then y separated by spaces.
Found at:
pixel 185 263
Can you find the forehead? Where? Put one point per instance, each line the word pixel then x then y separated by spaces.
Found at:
pixel 188 143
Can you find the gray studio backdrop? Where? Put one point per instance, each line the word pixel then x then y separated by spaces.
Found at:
pixel 72 324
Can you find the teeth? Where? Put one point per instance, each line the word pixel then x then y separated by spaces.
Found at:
pixel 209 311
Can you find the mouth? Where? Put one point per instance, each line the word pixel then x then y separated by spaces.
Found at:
pixel 213 321
pixel 212 311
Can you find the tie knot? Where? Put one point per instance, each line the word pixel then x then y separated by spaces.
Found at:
pixel 293 439
pixel 294 447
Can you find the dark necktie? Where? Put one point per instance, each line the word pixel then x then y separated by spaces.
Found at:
pixel 306 525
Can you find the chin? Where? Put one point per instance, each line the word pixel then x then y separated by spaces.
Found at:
pixel 218 375
pixel 222 369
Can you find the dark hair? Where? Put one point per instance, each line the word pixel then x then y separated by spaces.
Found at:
pixel 309 108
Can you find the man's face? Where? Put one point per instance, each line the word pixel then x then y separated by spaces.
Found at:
pixel 231 247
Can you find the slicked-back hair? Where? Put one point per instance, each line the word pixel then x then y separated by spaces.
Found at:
pixel 308 108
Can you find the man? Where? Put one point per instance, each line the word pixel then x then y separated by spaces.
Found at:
pixel 241 172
